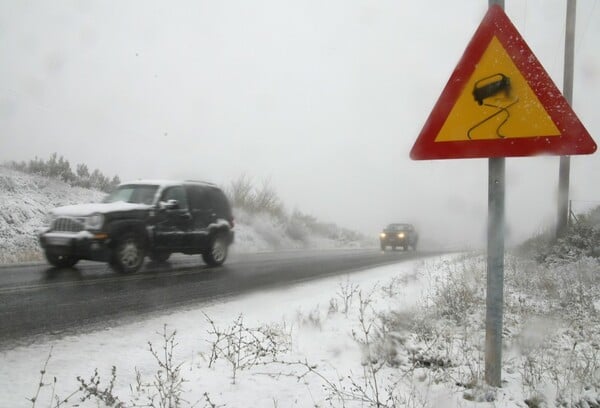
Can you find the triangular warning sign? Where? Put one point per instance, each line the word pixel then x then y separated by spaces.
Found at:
pixel 500 102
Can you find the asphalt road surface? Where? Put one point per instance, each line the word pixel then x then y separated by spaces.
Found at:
pixel 37 300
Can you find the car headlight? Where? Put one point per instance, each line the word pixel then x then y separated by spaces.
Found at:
pixel 401 235
pixel 94 221
pixel 382 235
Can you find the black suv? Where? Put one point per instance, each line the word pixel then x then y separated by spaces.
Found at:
pixel 399 235
pixel 154 218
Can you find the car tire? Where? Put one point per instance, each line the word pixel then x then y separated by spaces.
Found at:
pixel 217 252
pixel 60 261
pixel 128 254
pixel 160 256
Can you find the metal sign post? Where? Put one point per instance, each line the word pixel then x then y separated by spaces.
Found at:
pixel 495 272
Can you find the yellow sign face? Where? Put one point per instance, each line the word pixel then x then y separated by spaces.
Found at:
pixel 496 103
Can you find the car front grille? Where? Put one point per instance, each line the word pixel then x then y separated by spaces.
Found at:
pixel 68 224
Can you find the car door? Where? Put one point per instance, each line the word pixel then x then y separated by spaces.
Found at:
pixel 174 220
pixel 202 214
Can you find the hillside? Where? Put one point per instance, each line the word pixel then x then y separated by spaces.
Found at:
pixel 25 199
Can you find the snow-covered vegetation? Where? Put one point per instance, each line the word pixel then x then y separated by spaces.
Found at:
pixel 262 222
pixel 25 199
pixel 408 335
pixel 56 167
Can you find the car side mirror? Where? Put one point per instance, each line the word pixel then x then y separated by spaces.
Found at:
pixel 169 205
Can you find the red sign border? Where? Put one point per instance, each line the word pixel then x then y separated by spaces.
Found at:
pixel 573 139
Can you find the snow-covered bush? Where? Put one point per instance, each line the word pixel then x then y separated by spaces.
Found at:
pixel 59 168
pixel 582 239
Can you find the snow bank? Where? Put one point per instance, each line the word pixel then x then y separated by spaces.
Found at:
pixel 25 200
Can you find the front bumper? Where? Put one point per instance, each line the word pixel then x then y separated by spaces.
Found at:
pixel 393 241
pixel 81 245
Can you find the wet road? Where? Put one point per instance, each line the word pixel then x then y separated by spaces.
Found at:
pixel 36 300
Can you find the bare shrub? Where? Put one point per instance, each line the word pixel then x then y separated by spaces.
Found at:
pixel 383 383
pixel 55 400
pixel 455 296
pixel 164 390
pixel 244 194
pixel 312 318
pixel 92 389
pixel 240 192
pixel 333 306
pixel 243 347
pixel 392 287
pixel 267 200
pixel 346 292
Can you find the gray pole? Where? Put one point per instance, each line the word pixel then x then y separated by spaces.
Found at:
pixel 495 266
pixel 495 272
pixel 565 161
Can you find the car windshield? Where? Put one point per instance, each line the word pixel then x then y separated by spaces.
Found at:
pixel 398 227
pixel 138 194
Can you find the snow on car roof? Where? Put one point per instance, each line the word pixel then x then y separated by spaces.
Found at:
pixel 164 183
pixel 157 182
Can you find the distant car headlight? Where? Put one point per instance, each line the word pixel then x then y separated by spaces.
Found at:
pixel 94 221
pixel 401 235
pixel 382 235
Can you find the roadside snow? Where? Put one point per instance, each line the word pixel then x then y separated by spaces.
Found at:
pixel 320 337
pixel 410 334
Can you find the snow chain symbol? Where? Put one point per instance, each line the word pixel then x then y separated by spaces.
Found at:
pixel 492 87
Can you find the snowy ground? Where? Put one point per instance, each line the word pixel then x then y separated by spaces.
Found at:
pixel 318 334
pixel 406 335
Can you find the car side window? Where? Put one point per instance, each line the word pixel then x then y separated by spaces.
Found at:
pixel 220 204
pixel 198 197
pixel 175 193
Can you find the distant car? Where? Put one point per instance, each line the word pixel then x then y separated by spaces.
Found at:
pixel 399 236
pixel 153 218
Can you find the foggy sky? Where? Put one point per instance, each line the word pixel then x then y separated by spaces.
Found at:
pixel 322 98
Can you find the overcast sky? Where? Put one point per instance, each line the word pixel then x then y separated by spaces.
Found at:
pixel 324 98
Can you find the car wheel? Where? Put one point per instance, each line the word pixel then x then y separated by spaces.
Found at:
pixel 128 255
pixel 160 256
pixel 60 261
pixel 217 253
